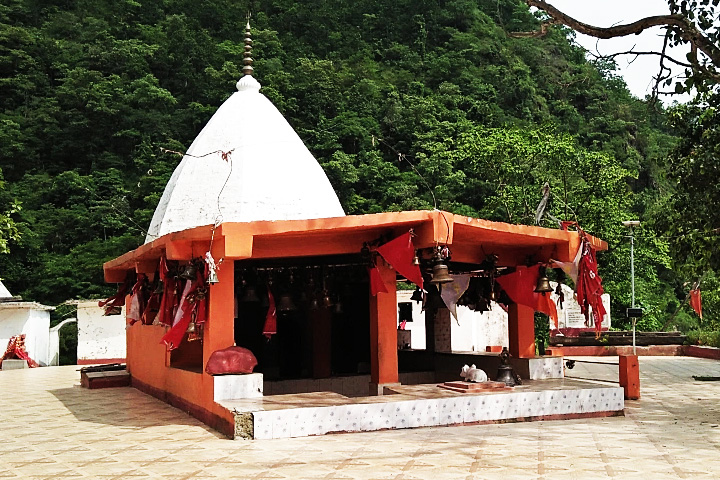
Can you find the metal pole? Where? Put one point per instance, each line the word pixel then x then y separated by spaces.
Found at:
pixel 632 281
pixel 632 266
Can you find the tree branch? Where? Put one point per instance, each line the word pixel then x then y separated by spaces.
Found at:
pixel 684 28
pixel 612 56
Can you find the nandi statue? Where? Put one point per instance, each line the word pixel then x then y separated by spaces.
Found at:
pixel 473 374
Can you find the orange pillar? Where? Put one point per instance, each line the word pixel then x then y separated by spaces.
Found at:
pixel 383 334
pixel 521 331
pixel 219 332
pixel 630 376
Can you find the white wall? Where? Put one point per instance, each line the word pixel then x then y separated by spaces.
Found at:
pixel 473 331
pixel 31 319
pixel 570 317
pixel 99 337
pixel 417 326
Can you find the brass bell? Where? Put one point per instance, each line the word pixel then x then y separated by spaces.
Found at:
pixel 543 284
pixel 417 295
pixel 314 304
pixel 505 372
pixel 440 274
pixel 250 295
pixel 285 303
pixel 326 300
pixel 416 259
pixel 191 328
pixel 189 272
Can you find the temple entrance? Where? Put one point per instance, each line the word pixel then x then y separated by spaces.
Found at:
pixel 322 328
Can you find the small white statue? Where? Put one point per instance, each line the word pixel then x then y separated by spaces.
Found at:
pixel 473 374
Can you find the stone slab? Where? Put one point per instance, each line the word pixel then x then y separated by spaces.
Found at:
pixel 14 364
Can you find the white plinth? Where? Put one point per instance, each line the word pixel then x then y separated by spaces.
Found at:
pixel 14 364
pixel 228 387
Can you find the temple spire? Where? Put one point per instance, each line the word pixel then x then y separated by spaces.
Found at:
pixel 247 56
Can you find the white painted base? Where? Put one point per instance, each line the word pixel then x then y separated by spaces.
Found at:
pixel 302 422
pixel 14 364
pixel 539 368
pixel 238 386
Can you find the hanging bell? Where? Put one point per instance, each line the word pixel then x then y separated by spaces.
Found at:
pixel 543 284
pixel 250 295
pixel 417 295
pixel 191 328
pixel 212 277
pixel 285 303
pixel 314 304
pixel 326 301
pixel 416 259
pixel 440 274
pixel 189 272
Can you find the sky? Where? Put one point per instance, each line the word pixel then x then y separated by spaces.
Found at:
pixel 639 73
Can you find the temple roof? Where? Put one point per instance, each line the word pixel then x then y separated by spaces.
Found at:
pixel 247 164
pixel 470 239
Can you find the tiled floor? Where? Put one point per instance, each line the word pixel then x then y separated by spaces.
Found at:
pixel 50 428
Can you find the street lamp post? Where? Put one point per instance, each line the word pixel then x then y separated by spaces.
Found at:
pixel 631 224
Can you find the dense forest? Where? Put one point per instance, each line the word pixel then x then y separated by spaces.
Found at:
pixel 401 102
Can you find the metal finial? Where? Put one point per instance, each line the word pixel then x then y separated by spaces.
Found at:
pixel 247 56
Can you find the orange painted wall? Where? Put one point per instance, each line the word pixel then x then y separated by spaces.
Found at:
pixel 148 363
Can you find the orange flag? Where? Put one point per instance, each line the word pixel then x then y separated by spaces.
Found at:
pixel 696 301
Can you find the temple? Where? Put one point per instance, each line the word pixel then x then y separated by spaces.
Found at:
pixel 251 215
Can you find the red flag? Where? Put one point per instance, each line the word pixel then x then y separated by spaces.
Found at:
pixel 520 287
pixel 270 327
pixel 696 301
pixel 589 289
pixel 400 252
pixel 376 282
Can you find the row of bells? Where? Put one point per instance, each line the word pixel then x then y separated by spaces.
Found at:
pixel 285 302
pixel 441 275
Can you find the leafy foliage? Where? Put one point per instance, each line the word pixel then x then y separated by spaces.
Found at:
pixel 406 105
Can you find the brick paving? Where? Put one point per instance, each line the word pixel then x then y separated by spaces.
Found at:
pixel 53 429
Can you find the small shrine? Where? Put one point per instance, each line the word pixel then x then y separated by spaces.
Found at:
pixel 249 250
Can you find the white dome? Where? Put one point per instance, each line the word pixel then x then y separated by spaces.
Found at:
pixel 269 174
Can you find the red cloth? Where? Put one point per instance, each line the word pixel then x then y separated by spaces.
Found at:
pixel 231 360
pixel 16 349
pixel 117 300
pixel 270 327
pixel 400 253
pixel 192 309
pixel 589 289
pixel 137 300
pixel 696 301
pixel 376 282
pixel 520 287
pixel 169 300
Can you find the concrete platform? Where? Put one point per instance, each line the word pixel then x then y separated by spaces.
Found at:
pixel 319 413
pixel 53 429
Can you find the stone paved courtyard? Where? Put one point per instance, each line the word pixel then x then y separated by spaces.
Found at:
pixel 51 428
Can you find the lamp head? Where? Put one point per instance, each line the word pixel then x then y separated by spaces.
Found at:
pixel 631 223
